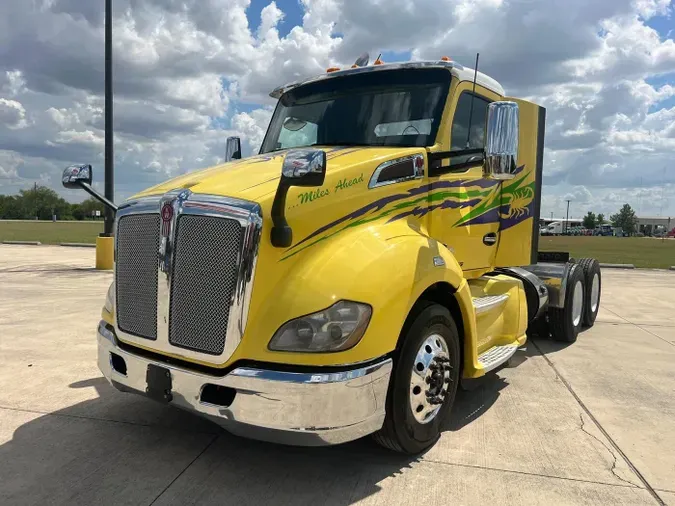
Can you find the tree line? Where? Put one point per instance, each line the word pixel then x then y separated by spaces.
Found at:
pixel 625 219
pixel 42 203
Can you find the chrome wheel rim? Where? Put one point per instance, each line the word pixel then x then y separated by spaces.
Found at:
pixel 595 292
pixel 430 379
pixel 577 303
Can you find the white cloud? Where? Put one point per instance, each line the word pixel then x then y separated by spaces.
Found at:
pixel 252 127
pixel 12 114
pixel 12 83
pixel 579 194
pixel 9 163
pixel 270 17
pixel 64 118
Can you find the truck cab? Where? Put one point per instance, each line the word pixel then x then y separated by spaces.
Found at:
pixel 379 250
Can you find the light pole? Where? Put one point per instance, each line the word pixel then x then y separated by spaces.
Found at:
pixel 567 220
pixel 109 161
pixel 105 243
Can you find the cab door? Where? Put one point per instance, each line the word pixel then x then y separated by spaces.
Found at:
pixel 464 206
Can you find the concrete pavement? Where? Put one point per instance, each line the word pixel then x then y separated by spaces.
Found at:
pixel 590 423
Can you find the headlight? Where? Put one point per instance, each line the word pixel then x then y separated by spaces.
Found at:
pixel 110 298
pixel 337 328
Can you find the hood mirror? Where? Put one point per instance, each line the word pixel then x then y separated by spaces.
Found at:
pixel 301 167
pixel 501 145
pixel 233 149
pixel 304 167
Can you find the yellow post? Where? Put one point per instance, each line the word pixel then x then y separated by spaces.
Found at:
pixel 104 253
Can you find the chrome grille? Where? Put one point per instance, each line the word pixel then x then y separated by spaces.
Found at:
pixel 136 274
pixel 205 272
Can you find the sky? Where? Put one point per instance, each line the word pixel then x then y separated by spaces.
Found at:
pixel 190 73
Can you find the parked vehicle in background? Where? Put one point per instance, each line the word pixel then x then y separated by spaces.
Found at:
pixel 659 231
pixel 604 230
pixel 555 228
pixel 671 233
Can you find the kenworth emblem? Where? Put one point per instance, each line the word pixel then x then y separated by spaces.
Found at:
pixel 167 214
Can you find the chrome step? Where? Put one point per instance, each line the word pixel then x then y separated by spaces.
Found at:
pixel 489 302
pixel 496 356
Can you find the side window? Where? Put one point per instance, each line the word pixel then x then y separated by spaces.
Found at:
pixel 460 127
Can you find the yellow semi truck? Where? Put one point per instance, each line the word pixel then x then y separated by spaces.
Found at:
pixel 379 251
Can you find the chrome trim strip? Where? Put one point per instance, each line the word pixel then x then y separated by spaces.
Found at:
pixel 308 378
pixel 418 172
pixel 167 242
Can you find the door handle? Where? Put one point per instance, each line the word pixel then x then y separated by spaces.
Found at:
pixel 490 239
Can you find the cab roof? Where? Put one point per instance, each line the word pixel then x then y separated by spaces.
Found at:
pixel 458 71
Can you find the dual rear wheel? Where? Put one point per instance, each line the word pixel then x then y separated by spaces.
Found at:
pixel 582 301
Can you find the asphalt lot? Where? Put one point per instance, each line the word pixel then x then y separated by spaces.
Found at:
pixel 591 423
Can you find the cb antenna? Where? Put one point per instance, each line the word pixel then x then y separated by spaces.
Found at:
pixel 473 95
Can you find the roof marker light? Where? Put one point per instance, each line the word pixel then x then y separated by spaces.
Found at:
pixel 332 69
pixel 445 58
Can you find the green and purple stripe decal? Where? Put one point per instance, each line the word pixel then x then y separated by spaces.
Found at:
pixel 491 201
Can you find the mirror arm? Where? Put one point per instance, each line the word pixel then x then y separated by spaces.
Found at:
pixel 87 187
pixel 281 234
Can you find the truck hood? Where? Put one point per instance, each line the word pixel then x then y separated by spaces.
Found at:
pixel 253 177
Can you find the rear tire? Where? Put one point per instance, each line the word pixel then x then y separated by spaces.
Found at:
pixel 593 278
pixel 565 323
pixel 424 383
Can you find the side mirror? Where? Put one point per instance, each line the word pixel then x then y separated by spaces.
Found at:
pixel 233 149
pixel 301 167
pixel 75 175
pixel 80 176
pixel 501 145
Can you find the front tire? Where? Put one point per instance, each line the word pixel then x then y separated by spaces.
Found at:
pixel 424 384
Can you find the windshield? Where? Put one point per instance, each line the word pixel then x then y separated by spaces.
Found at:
pixel 382 108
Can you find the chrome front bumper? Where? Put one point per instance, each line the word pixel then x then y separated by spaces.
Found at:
pixel 308 409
